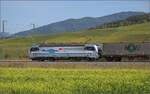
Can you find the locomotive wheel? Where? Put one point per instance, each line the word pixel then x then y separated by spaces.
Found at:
pixel 51 59
pixel 75 59
pixel 109 59
pixel 117 59
pixel 40 60
pixel 37 59
pixel 34 59
pixel 91 59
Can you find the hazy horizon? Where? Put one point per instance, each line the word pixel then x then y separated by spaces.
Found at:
pixel 21 14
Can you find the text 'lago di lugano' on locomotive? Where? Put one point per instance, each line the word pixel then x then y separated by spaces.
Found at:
pixel 91 52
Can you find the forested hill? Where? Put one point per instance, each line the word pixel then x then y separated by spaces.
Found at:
pixel 138 19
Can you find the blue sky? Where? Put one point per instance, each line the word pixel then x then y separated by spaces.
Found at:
pixel 21 14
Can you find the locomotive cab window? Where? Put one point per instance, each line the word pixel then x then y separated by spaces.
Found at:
pixel 89 48
pixel 34 49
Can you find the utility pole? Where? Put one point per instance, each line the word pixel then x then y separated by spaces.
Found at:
pixel 32 39
pixel 3 28
pixel 0 17
pixel 33 26
pixel 0 25
pixel 3 25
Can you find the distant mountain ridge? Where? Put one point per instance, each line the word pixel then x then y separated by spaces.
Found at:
pixel 71 25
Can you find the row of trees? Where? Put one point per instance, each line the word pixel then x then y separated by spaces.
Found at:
pixel 129 21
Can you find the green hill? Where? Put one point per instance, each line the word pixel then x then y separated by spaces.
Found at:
pixel 133 33
pixel 17 47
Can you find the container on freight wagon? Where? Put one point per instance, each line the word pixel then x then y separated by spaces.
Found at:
pixel 126 49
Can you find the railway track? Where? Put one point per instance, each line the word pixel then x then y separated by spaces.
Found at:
pixel 16 61
pixel 73 65
pixel 68 61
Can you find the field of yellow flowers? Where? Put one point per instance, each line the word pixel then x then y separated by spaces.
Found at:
pixel 74 81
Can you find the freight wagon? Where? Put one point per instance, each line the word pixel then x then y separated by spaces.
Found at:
pixel 126 51
pixel 92 52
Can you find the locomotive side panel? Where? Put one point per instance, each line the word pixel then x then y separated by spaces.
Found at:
pixel 64 52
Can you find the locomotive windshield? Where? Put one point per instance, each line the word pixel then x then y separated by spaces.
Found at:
pixel 89 48
pixel 34 49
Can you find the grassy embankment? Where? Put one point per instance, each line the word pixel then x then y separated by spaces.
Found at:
pixel 16 48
